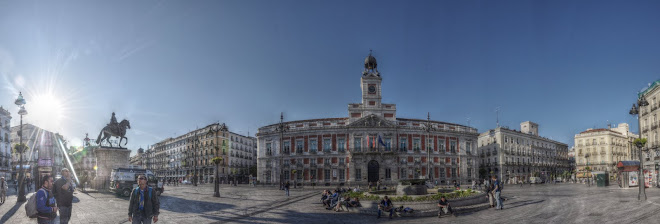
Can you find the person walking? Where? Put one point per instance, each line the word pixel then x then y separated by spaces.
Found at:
pixel 143 204
pixel 3 190
pixel 498 191
pixel 27 184
pixel 286 188
pixel 46 204
pixel 489 193
pixel 63 191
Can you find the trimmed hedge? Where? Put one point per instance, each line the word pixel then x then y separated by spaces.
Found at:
pixel 413 182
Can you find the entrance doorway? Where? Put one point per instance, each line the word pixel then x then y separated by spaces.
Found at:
pixel 373 175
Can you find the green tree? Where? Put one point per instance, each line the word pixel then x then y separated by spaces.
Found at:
pixel 253 171
pixel 482 172
pixel 20 148
pixel 640 142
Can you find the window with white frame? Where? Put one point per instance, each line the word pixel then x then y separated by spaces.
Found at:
pixel 327 145
pixel 313 145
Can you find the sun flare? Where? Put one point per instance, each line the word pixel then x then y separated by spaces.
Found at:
pixel 47 110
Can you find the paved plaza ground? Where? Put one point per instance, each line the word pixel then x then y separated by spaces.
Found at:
pixel 561 203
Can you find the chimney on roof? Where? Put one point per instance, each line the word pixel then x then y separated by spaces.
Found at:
pixel 609 126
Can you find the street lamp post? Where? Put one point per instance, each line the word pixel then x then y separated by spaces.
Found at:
pixel 20 101
pixel 218 159
pixel 637 110
pixel 428 128
pixel 281 128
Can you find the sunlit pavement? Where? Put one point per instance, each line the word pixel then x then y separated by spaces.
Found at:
pixel 561 203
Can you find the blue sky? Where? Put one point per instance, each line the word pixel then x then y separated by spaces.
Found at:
pixel 171 66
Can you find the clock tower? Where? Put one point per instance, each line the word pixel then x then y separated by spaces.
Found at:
pixel 371 94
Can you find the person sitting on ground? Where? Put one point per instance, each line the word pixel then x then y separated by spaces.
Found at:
pixel 326 201
pixel 332 199
pixel 385 205
pixel 355 202
pixel 324 196
pixel 444 206
pixel 342 203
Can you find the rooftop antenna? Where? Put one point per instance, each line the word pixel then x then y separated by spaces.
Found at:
pixel 468 121
pixel 497 111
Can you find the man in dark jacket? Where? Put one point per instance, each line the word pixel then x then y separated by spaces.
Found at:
pixel 46 204
pixel 144 203
pixel 385 205
pixel 63 191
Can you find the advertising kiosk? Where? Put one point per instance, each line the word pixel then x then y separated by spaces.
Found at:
pixel 628 173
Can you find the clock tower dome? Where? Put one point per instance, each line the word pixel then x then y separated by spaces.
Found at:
pixel 370 83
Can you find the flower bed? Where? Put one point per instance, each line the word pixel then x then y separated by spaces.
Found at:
pixel 466 200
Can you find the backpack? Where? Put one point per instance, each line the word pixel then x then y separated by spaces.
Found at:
pixel 31 205
pixel 138 188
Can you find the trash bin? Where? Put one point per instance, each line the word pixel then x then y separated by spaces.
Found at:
pixel 602 179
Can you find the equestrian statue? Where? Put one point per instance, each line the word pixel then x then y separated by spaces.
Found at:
pixel 114 129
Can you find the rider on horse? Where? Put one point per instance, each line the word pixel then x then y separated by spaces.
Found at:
pixel 113 123
pixel 115 129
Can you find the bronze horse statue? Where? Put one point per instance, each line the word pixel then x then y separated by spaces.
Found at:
pixel 118 130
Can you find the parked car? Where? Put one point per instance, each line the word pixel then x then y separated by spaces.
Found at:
pixel 124 180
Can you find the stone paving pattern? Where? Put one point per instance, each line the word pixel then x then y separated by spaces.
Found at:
pixel 549 203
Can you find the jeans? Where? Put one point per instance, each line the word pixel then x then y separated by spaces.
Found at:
pixel 287 191
pixel 65 214
pixel 499 200
pixel 139 219
pixel 391 212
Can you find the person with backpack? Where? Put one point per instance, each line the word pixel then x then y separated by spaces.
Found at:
pixel 497 187
pixel 46 204
pixel 63 191
pixel 143 205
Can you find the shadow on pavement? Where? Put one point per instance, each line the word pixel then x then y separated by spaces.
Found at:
pixel 291 216
pixel 522 203
pixel 11 212
pixel 174 204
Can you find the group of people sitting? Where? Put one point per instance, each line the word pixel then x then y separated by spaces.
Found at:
pixel 334 200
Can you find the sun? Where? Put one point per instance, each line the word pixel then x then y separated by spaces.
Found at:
pixel 46 109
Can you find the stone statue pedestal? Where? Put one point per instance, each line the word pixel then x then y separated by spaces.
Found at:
pixel 107 159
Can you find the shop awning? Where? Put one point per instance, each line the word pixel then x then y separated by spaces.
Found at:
pixel 582 175
pixel 628 166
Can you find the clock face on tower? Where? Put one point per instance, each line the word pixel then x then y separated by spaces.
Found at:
pixel 372 89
